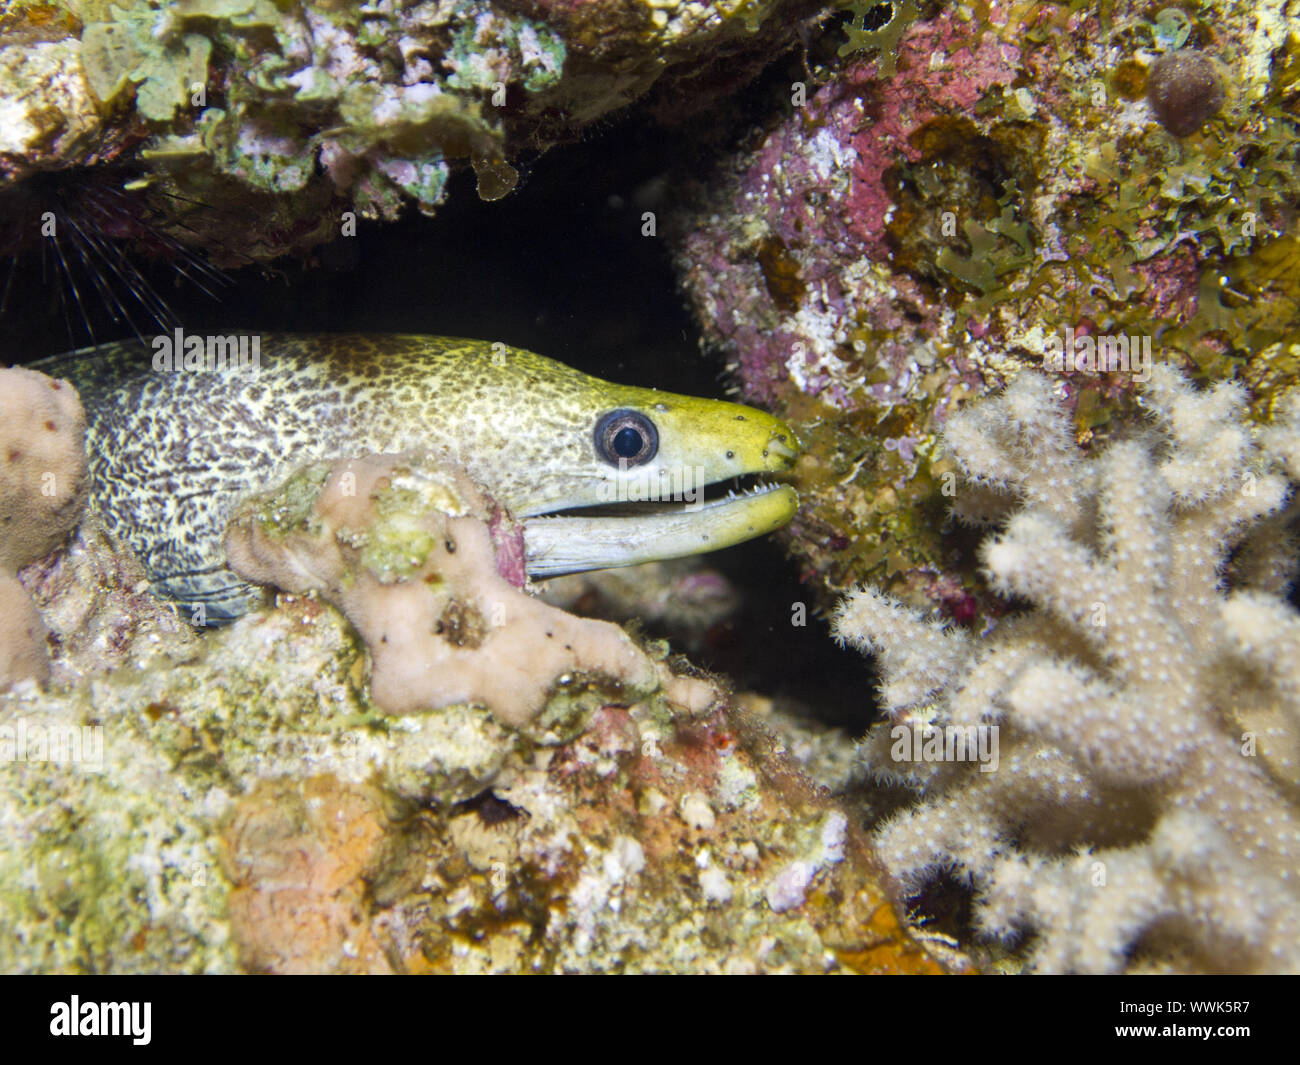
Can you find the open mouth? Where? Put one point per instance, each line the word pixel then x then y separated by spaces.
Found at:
pixel 631 531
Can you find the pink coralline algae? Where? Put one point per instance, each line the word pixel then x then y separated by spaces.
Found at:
pixel 1171 283
pixel 817 192
pixel 920 91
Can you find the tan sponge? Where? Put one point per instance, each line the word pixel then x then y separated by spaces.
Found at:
pixel 43 487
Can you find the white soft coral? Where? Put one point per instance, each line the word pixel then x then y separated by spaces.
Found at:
pixel 1145 809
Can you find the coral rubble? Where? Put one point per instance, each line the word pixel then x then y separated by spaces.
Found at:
pixel 1143 810
pixel 254 811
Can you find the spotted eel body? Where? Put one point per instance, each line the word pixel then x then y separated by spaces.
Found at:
pixel 173 452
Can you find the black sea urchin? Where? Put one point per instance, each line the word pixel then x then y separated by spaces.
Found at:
pixel 90 228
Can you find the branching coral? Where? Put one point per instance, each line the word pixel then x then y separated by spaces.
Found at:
pixel 1143 808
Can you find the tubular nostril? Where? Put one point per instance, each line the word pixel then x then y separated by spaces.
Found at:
pixel 779 446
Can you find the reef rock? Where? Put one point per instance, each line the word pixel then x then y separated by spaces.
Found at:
pixel 297 119
pixel 986 189
pixel 244 803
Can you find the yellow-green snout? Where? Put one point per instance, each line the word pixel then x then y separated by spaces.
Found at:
pixel 656 508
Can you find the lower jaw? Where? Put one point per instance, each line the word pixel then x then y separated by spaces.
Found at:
pixel 574 543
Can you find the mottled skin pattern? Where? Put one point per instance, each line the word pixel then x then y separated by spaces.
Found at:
pixel 172 453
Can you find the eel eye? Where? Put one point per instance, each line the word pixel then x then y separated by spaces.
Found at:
pixel 626 436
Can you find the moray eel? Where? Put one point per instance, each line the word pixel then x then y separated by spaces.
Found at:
pixel 172 453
